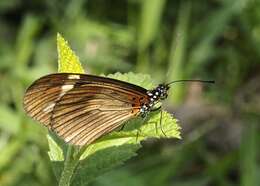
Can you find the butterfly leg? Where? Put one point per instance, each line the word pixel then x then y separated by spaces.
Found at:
pixel 156 126
pixel 161 124
pixel 122 128
pixel 155 109
pixel 137 134
pixel 139 130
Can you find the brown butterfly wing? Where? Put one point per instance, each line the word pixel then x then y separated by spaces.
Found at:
pixel 81 108
pixel 89 111
pixel 41 97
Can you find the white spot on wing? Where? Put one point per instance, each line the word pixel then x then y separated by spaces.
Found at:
pixel 74 76
pixel 49 108
pixel 66 88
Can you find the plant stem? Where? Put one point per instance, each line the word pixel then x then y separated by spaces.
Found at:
pixel 70 164
pixel 178 51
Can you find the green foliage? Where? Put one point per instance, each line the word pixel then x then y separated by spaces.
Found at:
pixel 179 50
pixel 84 165
pixel 248 155
pixel 149 26
pixel 166 39
pixel 67 60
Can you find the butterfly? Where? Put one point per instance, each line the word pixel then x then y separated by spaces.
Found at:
pixel 81 108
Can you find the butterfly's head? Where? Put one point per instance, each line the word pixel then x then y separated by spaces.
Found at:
pixel 159 93
pixel 162 89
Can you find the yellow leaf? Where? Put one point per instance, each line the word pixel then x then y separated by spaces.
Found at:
pixel 67 59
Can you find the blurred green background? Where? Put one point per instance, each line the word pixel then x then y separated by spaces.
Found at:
pixel 214 39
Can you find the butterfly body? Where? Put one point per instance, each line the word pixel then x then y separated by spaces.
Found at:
pixel 155 95
pixel 81 108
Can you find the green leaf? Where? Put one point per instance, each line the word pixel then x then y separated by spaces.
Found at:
pixel 102 161
pixel 81 166
pixel 67 60
pixel 142 80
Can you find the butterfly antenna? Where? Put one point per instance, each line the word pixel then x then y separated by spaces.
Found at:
pixel 192 80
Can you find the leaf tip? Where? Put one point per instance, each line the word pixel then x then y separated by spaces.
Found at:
pixel 68 61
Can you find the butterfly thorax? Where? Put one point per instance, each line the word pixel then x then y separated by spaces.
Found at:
pixel 155 95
